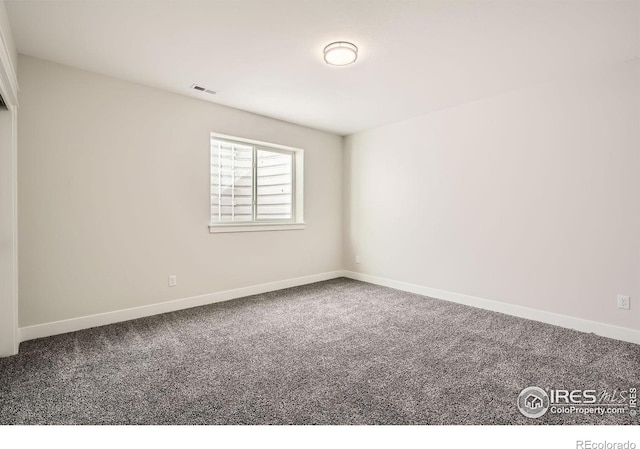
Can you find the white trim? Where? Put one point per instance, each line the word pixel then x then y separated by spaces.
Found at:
pixel 14 144
pixel 9 92
pixel 8 73
pixel 86 322
pixel 253 227
pixel 297 184
pixel 579 324
pixel 234 139
pixel 9 301
pixel 101 319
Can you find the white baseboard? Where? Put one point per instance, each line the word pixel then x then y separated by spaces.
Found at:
pixel 579 324
pixel 101 319
pixel 86 322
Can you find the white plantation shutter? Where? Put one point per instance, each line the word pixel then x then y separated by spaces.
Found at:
pixel 250 184
pixel 274 185
pixel 231 182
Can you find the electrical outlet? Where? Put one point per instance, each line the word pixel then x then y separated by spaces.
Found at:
pixel 357 259
pixel 173 280
pixel 624 302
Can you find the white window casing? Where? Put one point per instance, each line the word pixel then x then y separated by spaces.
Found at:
pixel 255 186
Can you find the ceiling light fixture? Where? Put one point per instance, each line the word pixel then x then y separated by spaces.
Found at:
pixel 340 53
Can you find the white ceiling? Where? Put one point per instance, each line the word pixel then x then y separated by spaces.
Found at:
pixel 265 56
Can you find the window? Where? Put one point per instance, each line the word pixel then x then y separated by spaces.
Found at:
pixel 254 185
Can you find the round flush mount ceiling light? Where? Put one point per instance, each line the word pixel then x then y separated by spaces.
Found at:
pixel 340 53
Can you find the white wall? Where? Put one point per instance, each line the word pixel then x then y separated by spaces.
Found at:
pixel 114 197
pixel 530 198
pixel 8 174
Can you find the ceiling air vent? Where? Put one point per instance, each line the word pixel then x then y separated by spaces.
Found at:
pixel 202 89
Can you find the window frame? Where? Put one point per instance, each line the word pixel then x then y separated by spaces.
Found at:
pixel 296 222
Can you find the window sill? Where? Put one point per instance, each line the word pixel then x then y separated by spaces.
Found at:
pixel 255 227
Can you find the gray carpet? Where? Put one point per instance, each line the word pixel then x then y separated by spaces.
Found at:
pixel 335 352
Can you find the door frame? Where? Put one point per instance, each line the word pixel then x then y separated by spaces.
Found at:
pixel 9 333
